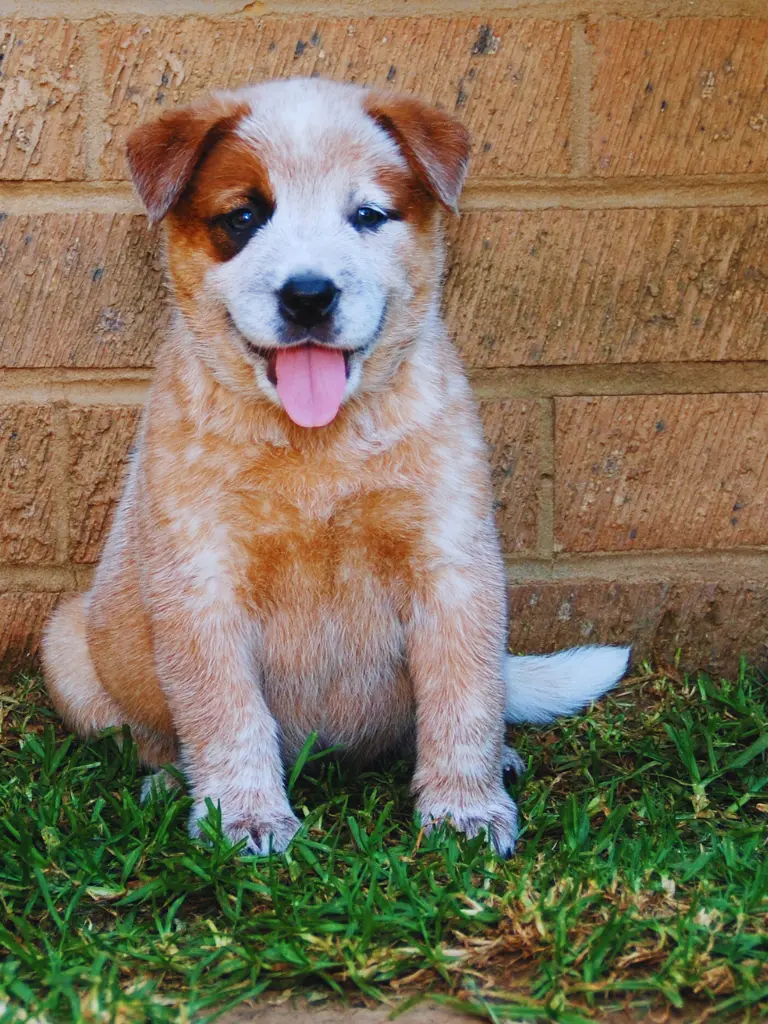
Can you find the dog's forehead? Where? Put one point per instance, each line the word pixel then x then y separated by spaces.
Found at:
pixel 310 124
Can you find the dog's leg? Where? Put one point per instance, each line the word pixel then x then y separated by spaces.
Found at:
pixel 77 692
pixel 229 740
pixel 455 657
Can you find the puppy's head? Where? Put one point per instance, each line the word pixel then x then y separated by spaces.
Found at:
pixel 303 236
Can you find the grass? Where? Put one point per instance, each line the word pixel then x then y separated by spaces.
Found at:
pixel 641 877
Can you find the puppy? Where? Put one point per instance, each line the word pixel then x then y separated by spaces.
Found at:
pixel 306 539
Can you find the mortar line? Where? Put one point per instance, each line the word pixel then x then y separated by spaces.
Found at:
pixel 581 86
pixel 547 470
pixel 730 567
pixel 509 194
pixel 653 379
pixel 606 193
pixel 515 10
pixel 79 392
pixel 60 478
pixel 94 101
pixel 20 386
pixel 39 578
pixel 734 567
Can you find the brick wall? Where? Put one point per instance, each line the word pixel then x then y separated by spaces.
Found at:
pixel 608 285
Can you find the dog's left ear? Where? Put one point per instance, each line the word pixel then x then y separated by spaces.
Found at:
pixel 435 145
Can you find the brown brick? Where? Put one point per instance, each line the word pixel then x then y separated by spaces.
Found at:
pixel 100 439
pixel 606 286
pixel 80 290
pixel 711 624
pixel 513 431
pixel 27 528
pixel 675 471
pixel 536 288
pixel 41 101
pixel 22 618
pixel 686 96
pixel 510 80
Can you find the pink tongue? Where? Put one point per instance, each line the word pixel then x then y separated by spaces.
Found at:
pixel 310 383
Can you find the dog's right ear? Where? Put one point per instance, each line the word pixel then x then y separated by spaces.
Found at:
pixel 163 154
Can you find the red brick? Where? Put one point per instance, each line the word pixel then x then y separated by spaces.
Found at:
pixel 711 624
pixel 687 96
pixel 41 101
pixel 100 440
pixel 80 290
pixel 652 472
pixel 556 287
pixel 510 80
pixel 27 527
pixel 22 618
pixel 513 431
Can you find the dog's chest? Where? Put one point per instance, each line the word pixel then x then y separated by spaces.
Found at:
pixel 328 583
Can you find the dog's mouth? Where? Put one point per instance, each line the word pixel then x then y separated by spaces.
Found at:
pixel 269 355
pixel 310 379
pixel 310 376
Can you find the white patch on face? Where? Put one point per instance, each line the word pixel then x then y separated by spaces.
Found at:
pixel 305 131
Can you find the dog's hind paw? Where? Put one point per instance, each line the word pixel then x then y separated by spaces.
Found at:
pixel 512 762
pixel 157 783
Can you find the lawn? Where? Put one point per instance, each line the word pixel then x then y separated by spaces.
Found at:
pixel 641 876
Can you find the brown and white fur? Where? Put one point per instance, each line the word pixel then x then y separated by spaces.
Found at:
pixel 264 579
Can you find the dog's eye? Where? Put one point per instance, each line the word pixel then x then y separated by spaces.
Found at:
pixel 241 224
pixel 368 218
pixel 240 220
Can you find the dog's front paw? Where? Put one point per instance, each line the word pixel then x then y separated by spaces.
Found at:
pixel 265 830
pixel 263 833
pixel 495 815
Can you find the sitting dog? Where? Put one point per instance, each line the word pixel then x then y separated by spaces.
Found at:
pixel 306 540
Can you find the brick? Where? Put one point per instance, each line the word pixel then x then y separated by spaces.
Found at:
pixel 513 431
pixel 22 618
pixel 27 528
pixel 42 123
pixel 509 80
pixel 80 290
pixel 653 472
pixel 100 440
pixel 551 287
pixel 557 287
pixel 686 96
pixel 710 623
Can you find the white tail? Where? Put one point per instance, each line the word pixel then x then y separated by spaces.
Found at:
pixel 541 687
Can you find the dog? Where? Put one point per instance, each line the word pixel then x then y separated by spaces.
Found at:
pixel 306 539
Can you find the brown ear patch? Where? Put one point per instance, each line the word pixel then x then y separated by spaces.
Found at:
pixel 231 174
pixel 435 145
pixel 163 154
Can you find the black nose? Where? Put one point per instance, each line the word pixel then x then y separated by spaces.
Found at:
pixel 307 299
